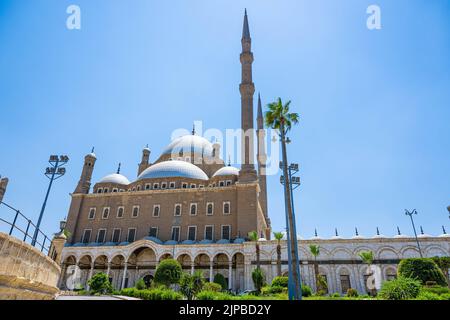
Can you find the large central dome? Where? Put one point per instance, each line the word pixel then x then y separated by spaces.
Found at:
pixel 173 169
pixel 187 144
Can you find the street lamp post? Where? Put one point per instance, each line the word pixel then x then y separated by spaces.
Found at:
pixel 295 290
pixel 410 214
pixel 55 171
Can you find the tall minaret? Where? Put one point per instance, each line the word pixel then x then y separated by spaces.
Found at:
pixel 145 160
pixel 247 89
pixel 262 158
pixel 86 175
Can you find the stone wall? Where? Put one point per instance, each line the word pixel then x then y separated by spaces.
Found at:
pixel 25 272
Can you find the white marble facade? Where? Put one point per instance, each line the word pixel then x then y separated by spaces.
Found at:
pixel 338 260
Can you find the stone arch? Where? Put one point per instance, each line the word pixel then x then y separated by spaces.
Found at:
pixel 202 263
pixel 360 249
pixel 143 257
pixel 435 251
pixel 390 272
pixel 185 260
pixel 341 253
pixel 346 279
pixel 238 276
pixel 165 256
pixel 410 252
pixel 386 252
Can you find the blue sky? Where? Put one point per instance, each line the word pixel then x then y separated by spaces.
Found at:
pixel 374 135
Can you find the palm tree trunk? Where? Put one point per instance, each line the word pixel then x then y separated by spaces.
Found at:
pixel 279 259
pixel 316 274
pixel 292 236
pixel 258 262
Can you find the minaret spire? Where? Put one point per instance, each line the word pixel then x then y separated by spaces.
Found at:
pixel 247 90
pixel 118 168
pixel 262 159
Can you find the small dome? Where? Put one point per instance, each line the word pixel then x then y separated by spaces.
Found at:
pixel 173 169
pixel 424 235
pixel 187 144
pixel 444 235
pixel 379 236
pixel 401 236
pixel 115 178
pixel 92 155
pixel 355 237
pixel 227 171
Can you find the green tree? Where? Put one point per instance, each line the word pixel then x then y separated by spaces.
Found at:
pixel 423 269
pixel 140 284
pixel 253 236
pixel 190 285
pixel 220 279
pixel 258 278
pixel 315 251
pixel 99 284
pixel 279 117
pixel 367 257
pixel 168 272
pixel 278 236
pixel 444 264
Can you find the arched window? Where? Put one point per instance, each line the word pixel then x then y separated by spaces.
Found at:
pixel 226 207
pixel 209 208
pixel 177 210
pixel 193 209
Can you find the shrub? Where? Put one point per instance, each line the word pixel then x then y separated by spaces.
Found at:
pixel 445 296
pixel 220 279
pixel 258 279
pixel 140 284
pixel 352 293
pixel 322 285
pixel 212 286
pixel 168 272
pixel 190 285
pixel 401 288
pixel 280 282
pixel 306 291
pixel 422 269
pixel 270 290
pixel 211 295
pixel 152 294
pixel 426 295
pixel 99 284
pixel 335 295
pixel 436 289
pixel 130 292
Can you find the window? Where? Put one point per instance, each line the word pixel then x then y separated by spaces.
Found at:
pixel 156 210
pixel 147 186
pixel 101 235
pixel 91 213
pixel 172 185
pixel 192 233
pixel 176 233
pixel 193 185
pixel 99 190
pixel 135 212
pixel 164 185
pixel 120 211
pixel 105 214
pixel 209 209
pixel 177 210
pixel 201 186
pixel 106 190
pixel 226 207
pixel 221 184
pixel 209 231
pixel 116 235
pixel 156 186
pixel 193 210
pixel 184 185
pixel 188 159
pixel 86 238
pixel 153 232
pixel 138 188
pixel 131 235
pixel 345 283
pixel 391 274
pixel 226 232
pixel 228 182
pixel 213 185
pixel 115 190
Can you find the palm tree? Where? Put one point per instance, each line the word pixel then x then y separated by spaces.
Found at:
pixel 279 117
pixel 367 257
pixel 278 236
pixel 315 251
pixel 253 235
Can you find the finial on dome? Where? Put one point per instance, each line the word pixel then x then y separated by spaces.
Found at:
pixel 336 232
pixel 356 231
pixel 421 230
pixel 443 230
pixel 398 231
pixel 93 148
pixel 378 231
pixel 229 161
pixel 193 129
pixel 315 232
pixel 118 168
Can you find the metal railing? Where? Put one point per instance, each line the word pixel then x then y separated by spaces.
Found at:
pixel 19 223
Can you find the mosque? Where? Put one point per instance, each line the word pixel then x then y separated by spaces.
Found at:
pixel 191 206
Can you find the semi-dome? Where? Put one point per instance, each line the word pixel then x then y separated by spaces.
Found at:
pixel 115 178
pixel 227 171
pixel 189 143
pixel 173 169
